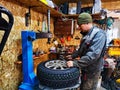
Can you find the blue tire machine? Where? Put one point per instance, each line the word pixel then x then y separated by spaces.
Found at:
pixel 30 81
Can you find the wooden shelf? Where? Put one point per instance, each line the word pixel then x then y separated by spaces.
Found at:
pixel 74 16
pixel 96 16
pixel 35 58
pixel 39 6
pixel 58 2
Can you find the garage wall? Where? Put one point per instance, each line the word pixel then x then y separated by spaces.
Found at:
pixel 10 72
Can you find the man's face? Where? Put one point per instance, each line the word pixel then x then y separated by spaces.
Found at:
pixel 83 28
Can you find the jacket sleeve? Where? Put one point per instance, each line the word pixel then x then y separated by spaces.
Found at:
pixel 75 54
pixel 94 51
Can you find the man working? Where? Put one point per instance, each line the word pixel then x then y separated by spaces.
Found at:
pixel 91 52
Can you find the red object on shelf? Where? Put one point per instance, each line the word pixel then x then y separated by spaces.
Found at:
pixel 68 38
pixel 62 40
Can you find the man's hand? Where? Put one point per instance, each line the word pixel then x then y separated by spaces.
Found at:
pixel 69 57
pixel 70 63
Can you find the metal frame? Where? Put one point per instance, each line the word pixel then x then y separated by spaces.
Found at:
pixel 30 80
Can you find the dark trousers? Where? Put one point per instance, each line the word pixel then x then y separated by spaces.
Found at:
pixel 89 81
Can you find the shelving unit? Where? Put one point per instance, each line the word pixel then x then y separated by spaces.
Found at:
pixel 37 5
pixel 58 2
pixel 75 16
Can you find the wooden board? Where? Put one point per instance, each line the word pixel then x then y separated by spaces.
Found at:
pixel 40 7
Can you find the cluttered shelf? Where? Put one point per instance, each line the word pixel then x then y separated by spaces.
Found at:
pixel 113 50
pixel 75 16
pixel 41 7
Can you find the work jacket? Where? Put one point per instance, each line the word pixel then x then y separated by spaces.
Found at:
pixel 91 51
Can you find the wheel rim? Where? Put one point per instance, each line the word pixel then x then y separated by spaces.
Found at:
pixel 56 65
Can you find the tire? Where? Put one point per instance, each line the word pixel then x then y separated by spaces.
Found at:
pixel 55 74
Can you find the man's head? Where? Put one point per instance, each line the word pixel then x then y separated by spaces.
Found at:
pixel 84 22
pixel 84 18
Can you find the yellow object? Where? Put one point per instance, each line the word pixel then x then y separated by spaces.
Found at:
pixel 114 51
pixel 118 81
pixel 116 42
pixel 44 1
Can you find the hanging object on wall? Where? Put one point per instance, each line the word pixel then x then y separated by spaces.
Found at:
pixel 64 8
pixel 96 6
pixel 78 7
pixel 108 22
pixel 44 25
pixel 72 8
pixel 28 18
pixel 103 13
pixel 48 23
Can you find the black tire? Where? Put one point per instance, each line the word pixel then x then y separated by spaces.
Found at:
pixel 57 77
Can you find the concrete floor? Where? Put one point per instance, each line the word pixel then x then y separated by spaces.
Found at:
pixel 101 88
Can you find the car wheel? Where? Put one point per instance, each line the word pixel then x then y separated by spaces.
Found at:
pixel 56 74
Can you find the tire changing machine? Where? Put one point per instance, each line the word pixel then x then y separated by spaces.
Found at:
pixel 30 80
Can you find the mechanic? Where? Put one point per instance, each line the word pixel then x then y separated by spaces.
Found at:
pixel 90 52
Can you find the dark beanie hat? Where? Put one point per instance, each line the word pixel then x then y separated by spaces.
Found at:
pixel 84 18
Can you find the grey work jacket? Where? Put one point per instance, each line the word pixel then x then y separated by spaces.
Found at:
pixel 91 51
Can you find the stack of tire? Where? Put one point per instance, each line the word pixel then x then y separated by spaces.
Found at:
pixel 57 78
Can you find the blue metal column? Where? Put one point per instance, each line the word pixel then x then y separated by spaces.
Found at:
pixel 29 78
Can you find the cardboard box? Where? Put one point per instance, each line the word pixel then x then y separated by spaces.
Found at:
pixel 72 8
